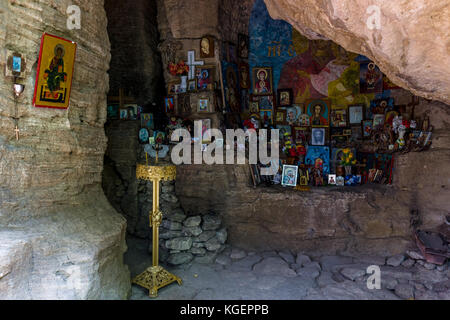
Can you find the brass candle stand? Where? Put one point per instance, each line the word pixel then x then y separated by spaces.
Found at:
pixel 155 277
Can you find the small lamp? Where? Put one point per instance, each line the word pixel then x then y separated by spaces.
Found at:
pixel 18 89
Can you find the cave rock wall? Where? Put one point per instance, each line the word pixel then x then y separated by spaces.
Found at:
pixel 60 238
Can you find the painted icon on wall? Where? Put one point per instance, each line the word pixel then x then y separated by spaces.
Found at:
pixel 54 73
pixel 262 80
pixel 318 111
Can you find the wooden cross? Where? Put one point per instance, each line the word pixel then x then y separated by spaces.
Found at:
pixel 192 63
pixel 17 133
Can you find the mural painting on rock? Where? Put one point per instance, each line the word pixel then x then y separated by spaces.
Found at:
pixel 313 69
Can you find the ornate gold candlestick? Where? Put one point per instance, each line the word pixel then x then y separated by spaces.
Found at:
pixel 155 277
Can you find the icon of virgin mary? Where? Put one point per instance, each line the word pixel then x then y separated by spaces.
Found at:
pixel 262 84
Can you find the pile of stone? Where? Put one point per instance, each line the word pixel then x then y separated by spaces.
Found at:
pixel 196 238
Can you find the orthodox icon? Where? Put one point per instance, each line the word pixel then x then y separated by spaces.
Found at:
pixel 301 135
pixel 231 89
pixel 319 152
pixel 203 105
pixel 339 118
pixel 262 81
pixel 370 78
pixel 280 116
pixel 206 125
pixel 378 121
pixel 367 128
pixel 266 117
pixel 123 114
pixel 17 64
pixel 332 179
pixel 232 58
pixel 284 97
pixel 54 73
pixel 293 114
pixel 243 41
pixel 318 112
pixel 289 176
pixel 147 121
pixel 169 103
pixel 205 78
pixel 113 111
pixel 132 111
pixel 356 114
pixel 143 135
pixel 266 102
pixel 318 136
pixel 244 75
pixel 254 106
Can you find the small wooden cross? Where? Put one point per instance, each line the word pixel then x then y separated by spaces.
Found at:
pixel 17 133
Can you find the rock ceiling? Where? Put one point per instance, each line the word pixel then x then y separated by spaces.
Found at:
pixel 408 39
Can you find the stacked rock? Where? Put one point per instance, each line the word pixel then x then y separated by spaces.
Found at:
pixel 184 239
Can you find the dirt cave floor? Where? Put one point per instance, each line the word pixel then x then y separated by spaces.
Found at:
pixel 271 275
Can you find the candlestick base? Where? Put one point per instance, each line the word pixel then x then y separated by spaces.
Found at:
pixel 155 278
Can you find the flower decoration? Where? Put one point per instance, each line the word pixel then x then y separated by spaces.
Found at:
pixel 178 69
pixel 349 158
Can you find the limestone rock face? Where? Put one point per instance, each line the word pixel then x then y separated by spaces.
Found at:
pixel 60 238
pixel 411 44
pixel 183 18
pixel 135 64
